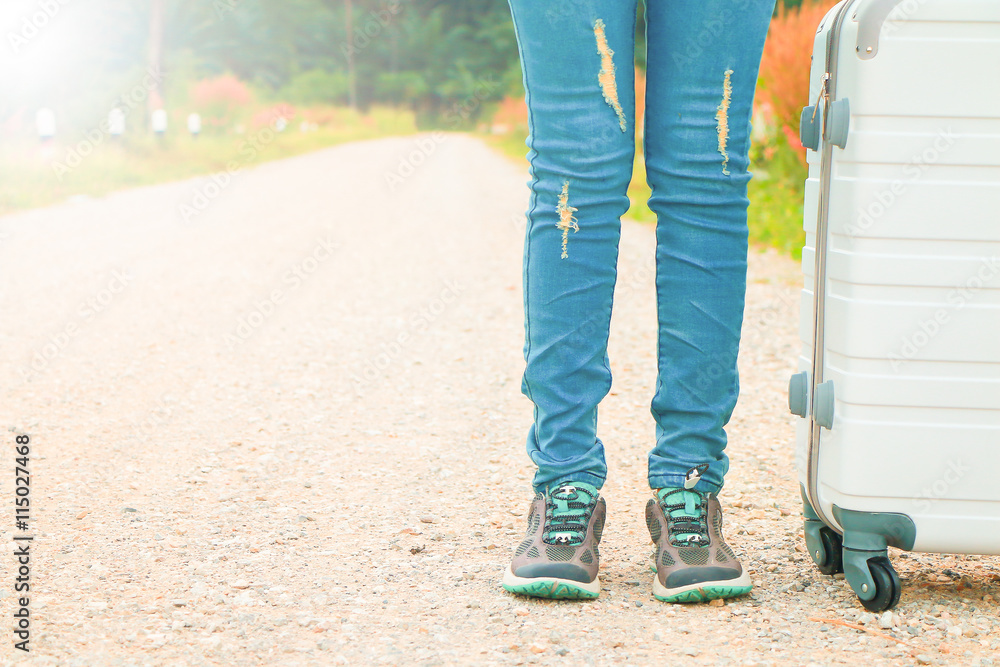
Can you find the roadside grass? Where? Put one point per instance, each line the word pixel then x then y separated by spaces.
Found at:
pixel 775 191
pixel 33 175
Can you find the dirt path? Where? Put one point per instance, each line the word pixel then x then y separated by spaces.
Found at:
pixel 287 429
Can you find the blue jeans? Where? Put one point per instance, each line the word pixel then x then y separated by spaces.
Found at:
pixel 703 57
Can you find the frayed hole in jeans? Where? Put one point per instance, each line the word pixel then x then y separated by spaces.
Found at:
pixel 722 118
pixel 566 219
pixel 606 77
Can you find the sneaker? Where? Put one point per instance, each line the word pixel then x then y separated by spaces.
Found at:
pixel 693 563
pixel 558 557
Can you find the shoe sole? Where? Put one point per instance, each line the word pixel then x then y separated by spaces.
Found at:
pixel 703 591
pixel 551 587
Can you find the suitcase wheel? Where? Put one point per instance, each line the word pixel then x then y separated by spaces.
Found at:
pixel 831 560
pixel 825 545
pixel 887 585
pixel 867 536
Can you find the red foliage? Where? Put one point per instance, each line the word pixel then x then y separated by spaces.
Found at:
pixel 512 112
pixel 784 68
pixel 270 115
pixel 225 88
pixel 793 137
pixel 216 99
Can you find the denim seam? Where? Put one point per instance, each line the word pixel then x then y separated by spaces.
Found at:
pixel 532 154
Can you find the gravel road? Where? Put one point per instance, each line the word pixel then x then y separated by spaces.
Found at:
pixel 278 421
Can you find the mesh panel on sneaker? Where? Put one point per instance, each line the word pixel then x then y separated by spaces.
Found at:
pixel 720 556
pixel 533 522
pixel 666 560
pixel 559 553
pixel 533 552
pixel 524 546
pixel 598 529
pixel 693 555
pixel 653 524
pixel 587 557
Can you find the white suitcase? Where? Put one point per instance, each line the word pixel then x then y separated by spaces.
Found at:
pixel 899 382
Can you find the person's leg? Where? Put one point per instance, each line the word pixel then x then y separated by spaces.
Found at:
pixel 702 64
pixel 577 59
pixel 578 72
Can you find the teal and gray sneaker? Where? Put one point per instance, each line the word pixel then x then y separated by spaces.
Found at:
pixel 693 563
pixel 559 557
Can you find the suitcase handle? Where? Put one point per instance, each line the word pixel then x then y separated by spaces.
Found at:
pixel 827 95
pixel 871 15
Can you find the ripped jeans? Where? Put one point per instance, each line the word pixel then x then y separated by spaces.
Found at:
pixel 703 57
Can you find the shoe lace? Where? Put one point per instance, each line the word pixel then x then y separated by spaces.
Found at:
pixel 686 512
pixel 567 515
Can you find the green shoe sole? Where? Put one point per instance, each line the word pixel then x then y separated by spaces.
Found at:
pixel 553 589
pixel 705 594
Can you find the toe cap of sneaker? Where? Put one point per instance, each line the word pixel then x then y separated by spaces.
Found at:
pixel 554 570
pixel 698 575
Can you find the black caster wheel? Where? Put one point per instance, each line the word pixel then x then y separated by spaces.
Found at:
pixel 887 586
pixel 833 545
